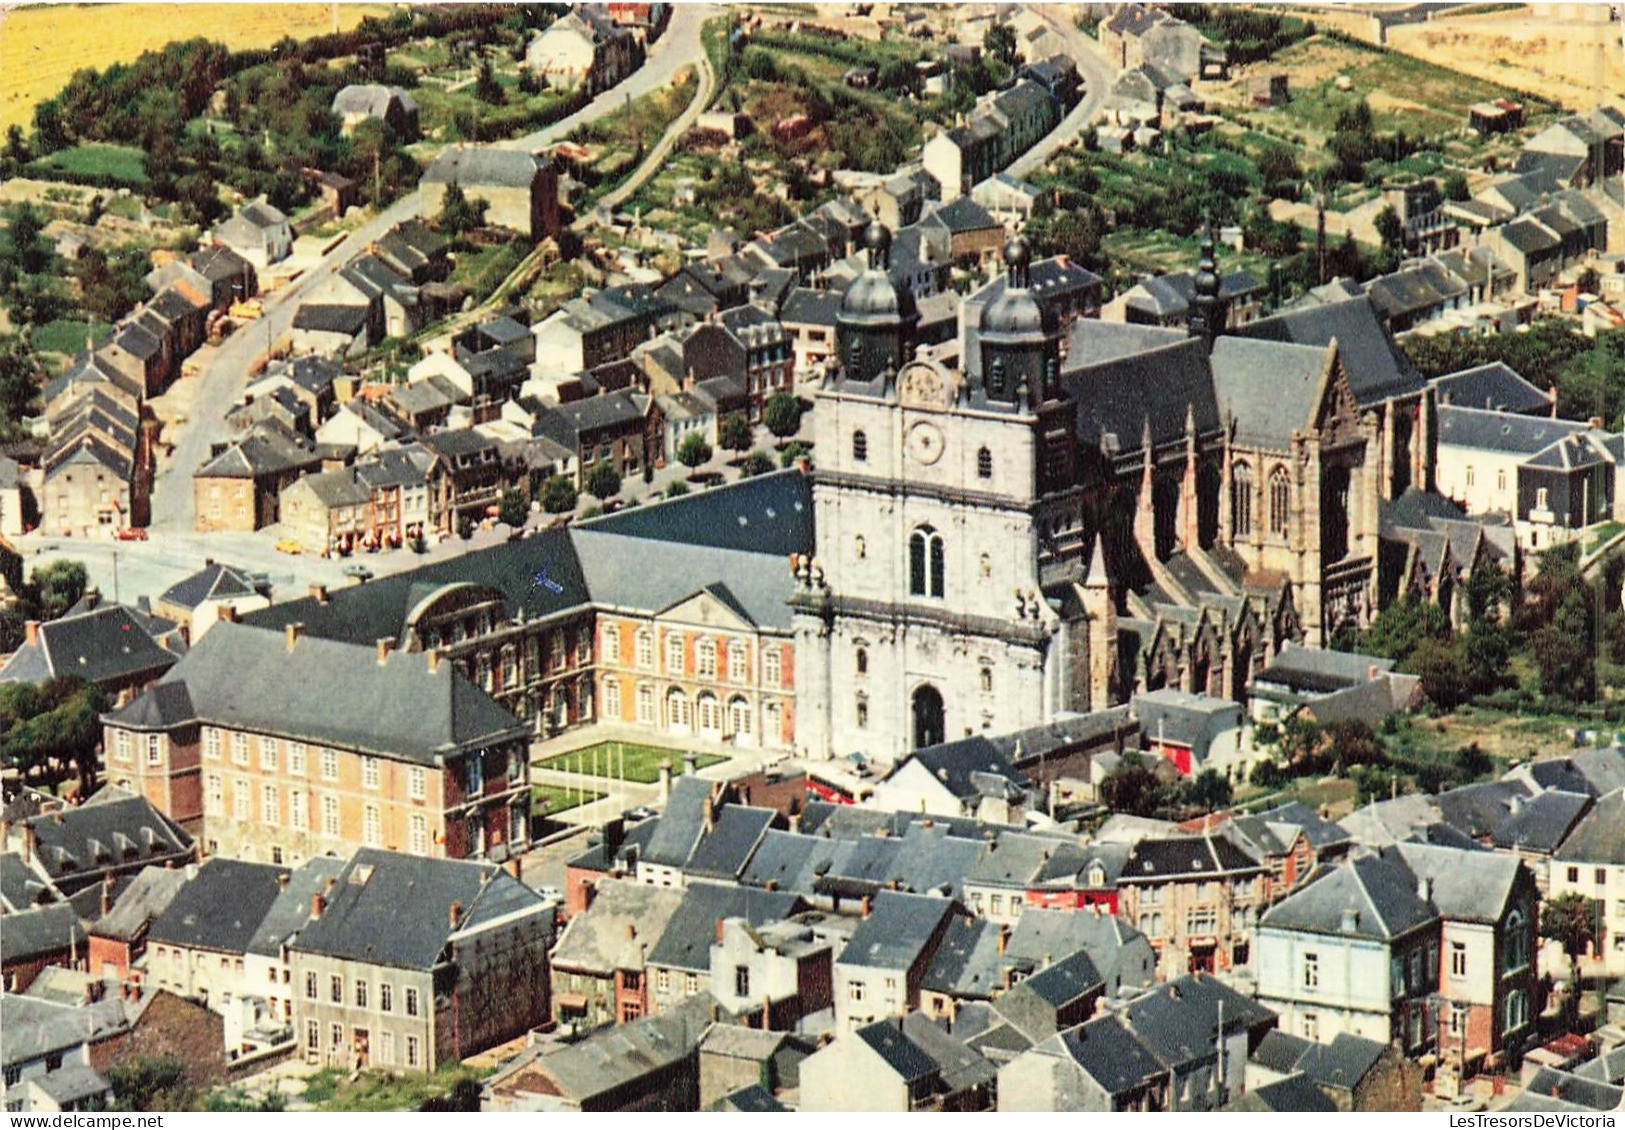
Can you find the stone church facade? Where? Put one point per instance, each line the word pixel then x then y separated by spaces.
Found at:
pixel 1096 514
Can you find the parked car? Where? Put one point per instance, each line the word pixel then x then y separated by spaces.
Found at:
pixel 130 533
pixel 359 572
pixel 288 545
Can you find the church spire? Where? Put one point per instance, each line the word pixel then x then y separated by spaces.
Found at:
pixel 1207 308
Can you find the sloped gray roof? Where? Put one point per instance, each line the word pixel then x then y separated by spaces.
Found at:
pixel 1597 837
pixel 625 920
pixel 727 847
pixel 113 828
pixel 1032 1005
pixel 290 911
pixel 1295 1094
pixel 215 581
pixel 1365 897
pixel 685 942
pixel 1267 387
pixel 147 896
pixel 398 709
pixel 1511 432
pixel 1493 386
pixel 1180 1022
pixel 616 1056
pixel 362 921
pixel 1376 368
pixel 896 932
pixel 902 1055
pixel 473 166
pixel 219 908
pixel 40 931
pixel 1107 1052
pixel 104 644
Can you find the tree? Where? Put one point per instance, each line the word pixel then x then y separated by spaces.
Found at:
pixel 1571 921
pixel 782 414
pixel 734 433
pixel 486 87
pixel 512 509
pixel 603 481
pixel 59 584
pixel 1000 43
pixel 1135 789
pixel 18 386
pixel 26 226
pixel 1209 790
pixel 1403 625
pixel 693 451
pixel 1562 650
pixel 1390 228
pixel 199 199
pixel 1589 280
pixel 1353 743
pixel 676 489
pixel 458 213
pixel 1455 186
pixel 152 1083
pixel 756 463
pixel 559 495
pixel 794 450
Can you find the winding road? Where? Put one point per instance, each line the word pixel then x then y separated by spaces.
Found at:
pixel 221 383
pixel 1096 72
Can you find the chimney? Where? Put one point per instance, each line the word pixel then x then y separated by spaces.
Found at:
pixel 319 592
pixel 31 631
pixel 282 881
pixel 631 931
pixel 767 1013
pixel 453 914
pixel 1004 939
pixel 107 894
pixel 293 632
pixel 227 612
pixel 665 780
pixel 719 931
pixel 516 868
pixel 384 646
pixel 863 911
pixel 432 658
pixel 1372 672
pixel 93 597
pixel 1424 889
pixel 318 903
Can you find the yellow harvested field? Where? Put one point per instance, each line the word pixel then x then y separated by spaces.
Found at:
pixel 42 45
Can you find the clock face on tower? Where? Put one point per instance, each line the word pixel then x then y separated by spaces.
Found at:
pixel 925 443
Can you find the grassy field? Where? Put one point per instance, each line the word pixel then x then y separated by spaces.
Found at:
pixel 550 800
pixel 630 760
pixel 332 1089
pixel 41 47
pixel 68 337
pixel 120 162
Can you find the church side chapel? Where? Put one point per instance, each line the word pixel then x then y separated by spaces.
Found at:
pixel 1106 509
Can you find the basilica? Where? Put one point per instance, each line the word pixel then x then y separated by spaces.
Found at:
pixel 1084 510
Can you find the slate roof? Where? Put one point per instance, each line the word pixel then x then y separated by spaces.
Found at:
pixel 114 827
pixel 399 709
pixel 957 764
pixel 685 942
pixel 106 644
pixel 30 1028
pixel 728 846
pixel 1320 670
pixel 1179 1022
pixel 1376 369
pixel 264 452
pixel 1107 1052
pixel 966 963
pixel 1268 388
pixel 471 166
pixel 220 908
pixel 1494 386
pixel 40 931
pixel 328 317
pixel 770 514
pixel 21 886
pixel 1295 1094
pixel 1118 399
pixel 1280 1051
pixel 682 824
pixel 215 581
pixel 362 921
pixel 896 932
pixel 148 895
pixel 290 910
pixel 1155 860
pixel 1380 893
pixel 1342 1064
pixel 904 1057
pixel 1509 432
pixel 754 1099
pixel 596 941
pixel 1031 1005
pixel 1596 838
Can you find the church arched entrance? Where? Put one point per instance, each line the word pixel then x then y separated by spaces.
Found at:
pixel 928 722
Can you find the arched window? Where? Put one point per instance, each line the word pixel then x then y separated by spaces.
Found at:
pixel 1241 500
pixel 984 464
pixel 1517 941
pixel 863 711
pixel 646 649
pixel 739 716
pixel 995 377
pixel 1280 500
pixel 987 680
pixel 862 547
pixel 985 565
pixel 863 660
pixel 925 562
pixel 860 447
pixel 678 708
pixel 708 712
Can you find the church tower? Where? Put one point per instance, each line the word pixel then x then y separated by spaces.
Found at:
pixel 1207 314
pixel 921 617
pixel 875 326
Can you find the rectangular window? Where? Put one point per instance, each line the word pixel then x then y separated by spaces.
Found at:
pixel 1600 876
pixel 239 749
pixel 211 743
pixel 337 1034
pixel 741 981
pixel 674 654
pixel 1311 970
pixel 411 1051
pixel 855 991
pixel 270 814
pixel 298 816
pixel 268 754
pixel 330 765
pixel 691 983
pixel 369 772
pixel 386 997
pixel 662 980
pixel 386 1049
pixel 417 835
pixel 310 986
pixel 646 650
pixel 1458 960
pixel 360 993
pixel 474 774
pixel 1311 1026
pixel 335 988
pixel 330 816
pixel 239 799
pixel 372 828
pixel 121 746
pixel 736 662
pixel 1574 874
pixel 771 674
pixel 411 1001
pixel 154 750
pixel 214 795
pixel 415 787
pixel 296 758
pixel 313 1036
pixel 612 643
pixel 996 904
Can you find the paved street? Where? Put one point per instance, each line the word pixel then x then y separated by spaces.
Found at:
pixel 1097 74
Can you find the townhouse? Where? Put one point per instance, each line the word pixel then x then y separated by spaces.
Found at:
pixel 1197 899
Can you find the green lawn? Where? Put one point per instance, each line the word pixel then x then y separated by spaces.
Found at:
pixel 550 800
pixel 628 760
pixel 481 269
pixel 68 337
pixel 121 163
